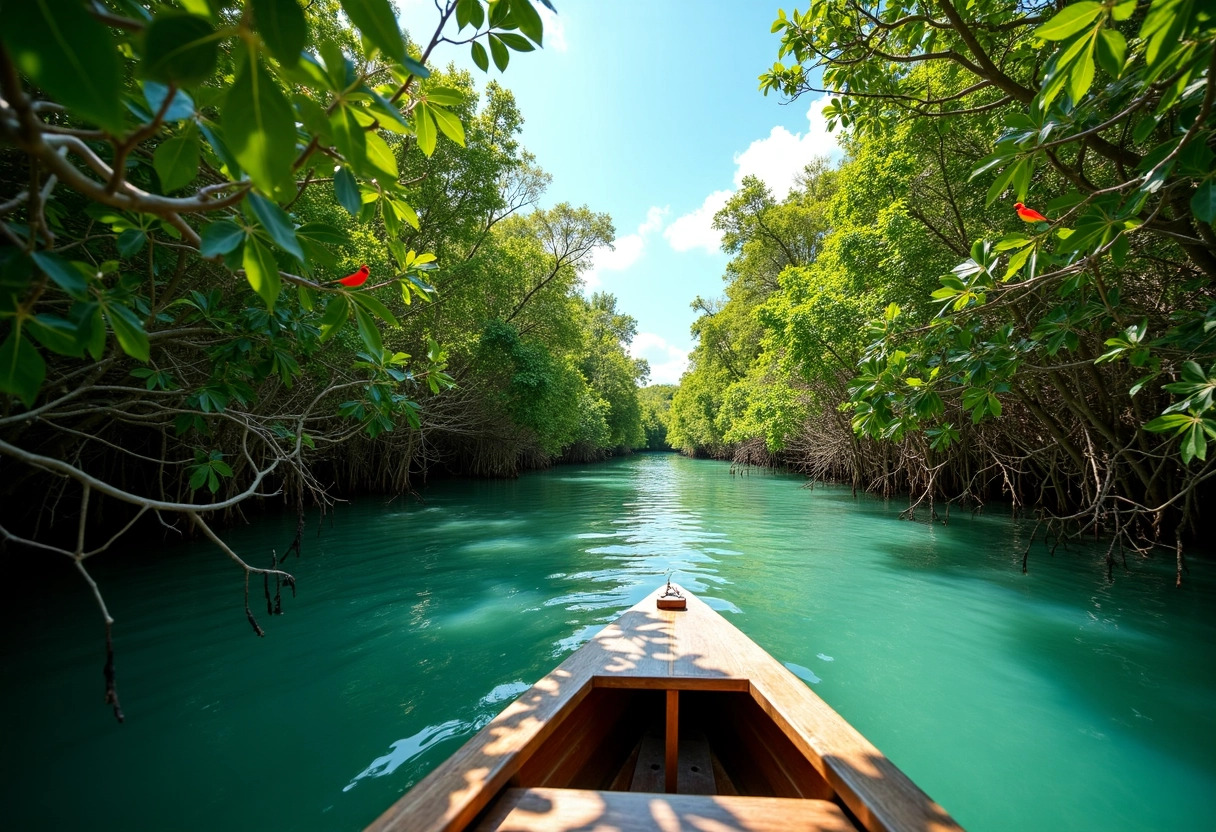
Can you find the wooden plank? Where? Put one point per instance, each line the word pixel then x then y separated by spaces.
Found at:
pixel 648 776
pixel 670 683
pixel 671 756
pixel 759 757
pixel 624 777
pixel 692 649
pixel 588 747
pixel 696 766
pixel 723 785
pixel 567 810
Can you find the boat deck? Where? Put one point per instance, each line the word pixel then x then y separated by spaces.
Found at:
pixel 694 692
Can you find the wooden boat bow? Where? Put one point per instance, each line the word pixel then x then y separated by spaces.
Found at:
pixel 799 752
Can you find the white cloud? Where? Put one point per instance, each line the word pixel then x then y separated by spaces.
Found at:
pixel 555 30
pixel 667 361
pixel 777 160
pixel 696 230
pixel 654 219
pixel 625 250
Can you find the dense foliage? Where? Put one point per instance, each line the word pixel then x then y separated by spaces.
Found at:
pixel 655 402
pixel 183 186
pixel 908 330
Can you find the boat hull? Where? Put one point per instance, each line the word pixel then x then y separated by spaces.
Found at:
pixel 653 696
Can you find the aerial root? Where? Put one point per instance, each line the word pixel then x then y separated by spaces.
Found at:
pixel 111 687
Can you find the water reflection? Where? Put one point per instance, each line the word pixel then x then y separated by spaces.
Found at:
pixel 661 530
pixel 402 751
pixel 803 673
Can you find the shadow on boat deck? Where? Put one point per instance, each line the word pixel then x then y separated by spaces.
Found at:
pixel 637 646
pixel 526 770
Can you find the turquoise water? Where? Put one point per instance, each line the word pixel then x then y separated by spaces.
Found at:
pixel 1047 701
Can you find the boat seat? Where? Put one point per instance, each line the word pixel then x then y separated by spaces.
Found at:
pixel 567 810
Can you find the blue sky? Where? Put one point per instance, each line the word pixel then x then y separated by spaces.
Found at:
pixel 649 111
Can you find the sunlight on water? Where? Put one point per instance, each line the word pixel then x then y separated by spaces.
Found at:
pixel 1052 700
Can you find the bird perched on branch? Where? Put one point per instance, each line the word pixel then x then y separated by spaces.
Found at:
pixel 1029 214
pixel 356 279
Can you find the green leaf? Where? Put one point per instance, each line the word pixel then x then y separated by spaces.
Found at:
pixel 1112 51
pixel 392 222
pixel 374 306
pixel 282 25
pixel 70 55
pixel 1203 203
pixel 381 159
pixel 65 274
pixel 398 123
pixel 424 128
pixel 95 341
pixel 215 138
pixel 322 233
pixel 1163 27
pixel 276 222
pixel 1015 240
pixel 405 212
pixel 445 96
pixel 1001 183
pixel 180 49
pixel 1171 421
pixel 261 271
pixel 22 368
pixel 180 108
pixel 449 124
pixel 128 329
pixel 1194 444
pixel 517 42
pixel 336 313
pixel 464 12
pixel 480 57
pixel 350 138
pixel 499 51
pixel 260 129
pixel 368 332
pixel 415 68
pixel 131 241
pixel 1072 19
pixel 1082 75
pixel 313 117
pixel 220 237
pixel 346 190
pixel 528 20
pixel 199 477
pixel 176 160
pixel 1021 178
pixel 338 68
pixel 1017 260
pixel 378 23
pixel 311 73
pixel 56 334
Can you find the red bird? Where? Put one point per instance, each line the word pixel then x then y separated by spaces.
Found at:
pixel 357 279
pixel 1029 214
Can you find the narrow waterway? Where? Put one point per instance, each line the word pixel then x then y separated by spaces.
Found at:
pixel 1052 700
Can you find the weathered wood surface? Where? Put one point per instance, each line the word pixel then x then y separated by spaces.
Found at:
pixel 693 649
pixel 573 810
